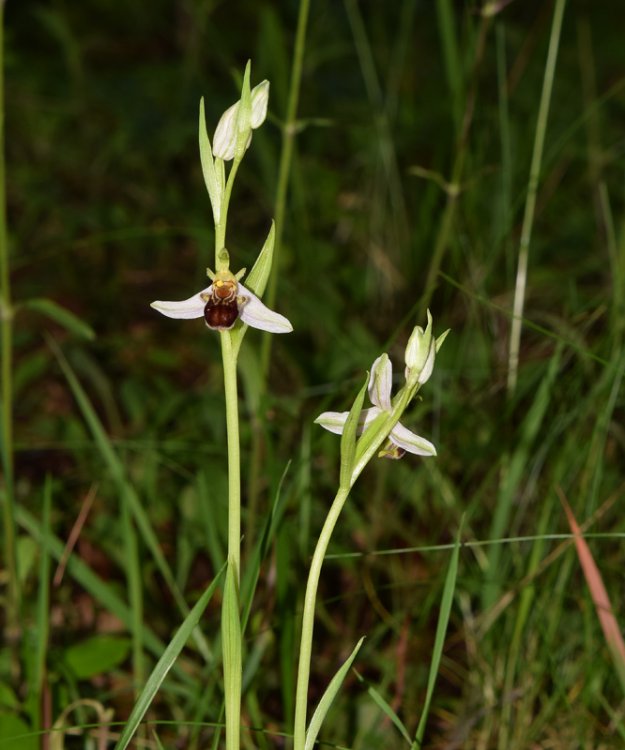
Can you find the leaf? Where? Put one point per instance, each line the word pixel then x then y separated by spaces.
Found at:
pixel 259 275
pixel 208 166
pixel 348 439
pixel 60 315
pixel 600 597
pixel 164 664
pixel 439 640
pixel 388 711
pixel 328 697
pixel 256 281
pixel 96 655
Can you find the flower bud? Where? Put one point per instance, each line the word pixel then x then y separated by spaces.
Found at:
pixel 227 134
pixel 420 353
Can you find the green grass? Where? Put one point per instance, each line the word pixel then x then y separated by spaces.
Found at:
pixel 414 136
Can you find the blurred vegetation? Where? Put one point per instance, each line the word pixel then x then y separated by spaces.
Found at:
pixel 107 211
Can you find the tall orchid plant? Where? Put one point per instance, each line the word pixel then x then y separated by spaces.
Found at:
pixel 229 307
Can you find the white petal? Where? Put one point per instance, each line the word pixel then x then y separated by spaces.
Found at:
pixel 260 98
pixel 187 308
pixel 225 138
pixel 257 315
pixel 334 421
pixel 381 382
pixel 410 442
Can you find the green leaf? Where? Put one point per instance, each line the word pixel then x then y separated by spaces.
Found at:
pixel 60 315
pixel 439 640
pixel 257 278
pixel 328 697
pixel 256 281
pixel 388 711
pixel 164 665
pixel 348 439
pixel 208 166
pixel 96 655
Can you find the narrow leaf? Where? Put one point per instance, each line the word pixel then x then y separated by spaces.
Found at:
pixel 388 711
pixel 164 664
pixel 208 166
pixel 257 278
pixel 59 315
pixel 348 439
pixel 328 697
pixel 439 640
pixel 600 598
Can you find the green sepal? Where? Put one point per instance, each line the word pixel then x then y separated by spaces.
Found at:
pixel 348 438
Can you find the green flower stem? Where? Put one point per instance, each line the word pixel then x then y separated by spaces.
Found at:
pixel 384 428
pixel 220 229
pixel 6 327
pixel 232 655
pixel 308 618
pixel 234 458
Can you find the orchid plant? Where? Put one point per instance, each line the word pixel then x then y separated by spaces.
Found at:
pixel 229 307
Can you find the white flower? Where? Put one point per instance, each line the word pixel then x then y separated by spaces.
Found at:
pixel 225 138
pixel 380 394
pixel 223 303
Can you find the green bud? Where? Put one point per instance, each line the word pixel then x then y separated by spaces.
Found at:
pixel 420 354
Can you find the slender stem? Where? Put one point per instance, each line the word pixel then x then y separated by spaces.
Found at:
pixel 6 327
pixel 232 653
pixel 289 131
pixel 288 139
pixel 234 461
pixel 530 203
pixel 220 228
pixel 308 618
pixel 443 237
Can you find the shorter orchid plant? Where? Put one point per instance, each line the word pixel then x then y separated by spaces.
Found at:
pixel 365 433
pixel 229 307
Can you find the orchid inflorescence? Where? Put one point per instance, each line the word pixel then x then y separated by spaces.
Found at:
pixel 419 358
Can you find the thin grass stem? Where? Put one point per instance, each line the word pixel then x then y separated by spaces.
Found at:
pixel 289 131
pixel 6 326
pixel 530 203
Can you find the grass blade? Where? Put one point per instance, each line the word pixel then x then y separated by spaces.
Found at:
pixel 328 697
pixel 439 641
pixel 164 664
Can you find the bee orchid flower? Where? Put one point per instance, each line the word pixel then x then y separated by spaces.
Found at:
pixel 222 303
pixel 401 438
